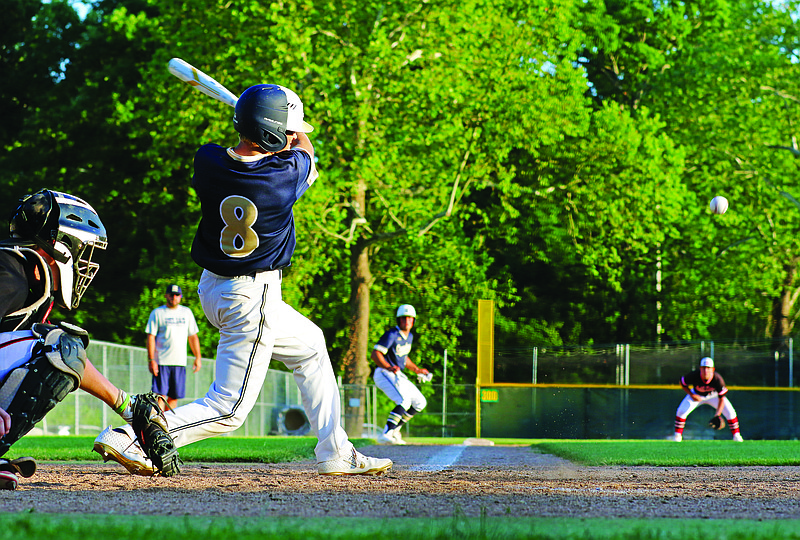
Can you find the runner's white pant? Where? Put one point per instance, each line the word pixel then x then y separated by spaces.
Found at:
pixel 256 325
pixel 399 389
pixel 688 405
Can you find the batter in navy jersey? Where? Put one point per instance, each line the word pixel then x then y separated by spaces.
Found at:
pixel 244 240
pixel 390 355
pixel 705 386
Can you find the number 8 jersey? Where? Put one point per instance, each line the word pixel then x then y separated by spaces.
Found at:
pixel 247 223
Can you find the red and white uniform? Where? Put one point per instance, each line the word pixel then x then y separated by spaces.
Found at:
pixel 710 393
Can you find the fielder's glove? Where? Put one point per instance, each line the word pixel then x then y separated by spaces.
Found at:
pixel 716 422
pixel 153 435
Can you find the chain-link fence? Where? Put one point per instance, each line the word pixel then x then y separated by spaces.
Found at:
pixel 631 391
pixel 126 368
pixel 450 411
pixel 278 411
pixel 529 412
pixel 756 363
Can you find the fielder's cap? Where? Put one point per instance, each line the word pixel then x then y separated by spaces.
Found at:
pixel 706 362
pixel 174 289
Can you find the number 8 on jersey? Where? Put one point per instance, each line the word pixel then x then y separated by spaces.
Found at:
pixel 238 239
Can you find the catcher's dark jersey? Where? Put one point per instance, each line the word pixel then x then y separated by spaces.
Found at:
pixel 13 282
pixel 247 224
pixel 395 347
pixel 717 384
pixel 25 290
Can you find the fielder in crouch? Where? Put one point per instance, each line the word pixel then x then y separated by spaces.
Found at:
pixel 391 358
pixel 244 241
pixel 707 388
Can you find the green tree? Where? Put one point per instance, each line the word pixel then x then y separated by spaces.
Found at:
pixel 580 236
pixel 76 130
pixel 414 104
pixel 729 99
pixel 425 105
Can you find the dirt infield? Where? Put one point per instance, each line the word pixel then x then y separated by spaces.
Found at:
pixel 427 481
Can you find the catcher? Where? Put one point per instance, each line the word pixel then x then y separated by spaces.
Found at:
pixel 48 260
pixel 704 386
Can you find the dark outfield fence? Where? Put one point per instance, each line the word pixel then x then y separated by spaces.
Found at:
pixel 629 413
pixel 631 391
pixel 761 363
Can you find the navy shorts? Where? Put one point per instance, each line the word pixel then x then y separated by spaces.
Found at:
pixel 171 381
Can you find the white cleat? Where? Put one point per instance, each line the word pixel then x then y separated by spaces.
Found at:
pixel 356 463
pixel 677 437
pixel 397 437
pixel 386 438
pixel 738 437
pixel 117 445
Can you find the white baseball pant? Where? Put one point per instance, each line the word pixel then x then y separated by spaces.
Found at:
pixel 688 405
pixel 256 325
pixel 399 389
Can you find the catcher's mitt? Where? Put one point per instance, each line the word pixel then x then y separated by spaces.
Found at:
pixel 716 422
pixel 152 432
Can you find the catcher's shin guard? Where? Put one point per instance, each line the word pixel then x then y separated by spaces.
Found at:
pixel 30 391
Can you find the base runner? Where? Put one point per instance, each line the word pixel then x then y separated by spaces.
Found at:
pixel 391 358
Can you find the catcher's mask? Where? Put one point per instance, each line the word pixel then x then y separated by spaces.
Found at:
pixel 67 229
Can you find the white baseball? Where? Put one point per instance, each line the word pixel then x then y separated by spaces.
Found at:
pixel 719 204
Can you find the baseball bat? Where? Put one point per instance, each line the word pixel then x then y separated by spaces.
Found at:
pixel 202 82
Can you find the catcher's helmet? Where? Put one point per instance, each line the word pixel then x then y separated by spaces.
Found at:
pixel 68 230
pixel 406 310
pixel 265 112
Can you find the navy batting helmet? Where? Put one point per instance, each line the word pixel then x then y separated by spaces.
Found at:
pixel 265 112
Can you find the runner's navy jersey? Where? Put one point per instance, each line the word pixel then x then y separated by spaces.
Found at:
pixel 702 388
pixel 247 224
pixel 395 347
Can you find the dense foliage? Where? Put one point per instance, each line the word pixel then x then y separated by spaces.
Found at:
pixel 555 156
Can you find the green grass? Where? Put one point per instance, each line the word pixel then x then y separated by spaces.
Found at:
pixel 31 526
pixel 672 454
pixel 585 452
pixel 103 527
pixel 598 452
pixel 218 449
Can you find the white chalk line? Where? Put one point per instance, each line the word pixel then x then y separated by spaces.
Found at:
pixel 596 489
pixel 441 460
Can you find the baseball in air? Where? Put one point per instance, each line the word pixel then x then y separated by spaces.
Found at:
pixel 719 204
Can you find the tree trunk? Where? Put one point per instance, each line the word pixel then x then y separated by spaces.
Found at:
pixel 782 305
pixel 356 364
